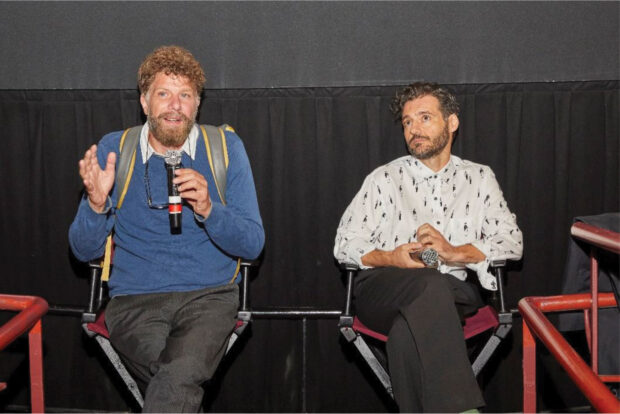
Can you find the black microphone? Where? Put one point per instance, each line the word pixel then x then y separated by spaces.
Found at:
pixel 175 206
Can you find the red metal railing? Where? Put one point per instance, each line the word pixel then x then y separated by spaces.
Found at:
pixel 598 239
pixel 534 322
pixel 31 310
pixel 589 383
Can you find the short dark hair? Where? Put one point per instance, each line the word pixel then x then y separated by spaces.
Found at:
pixel 173 60
pixel 447 100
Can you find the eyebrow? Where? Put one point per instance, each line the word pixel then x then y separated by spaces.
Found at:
pixel 163 88
pixel 421 112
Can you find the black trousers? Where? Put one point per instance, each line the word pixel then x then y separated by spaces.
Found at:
pixel 421 311
pixel 173 342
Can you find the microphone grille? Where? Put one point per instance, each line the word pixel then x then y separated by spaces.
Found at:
pixel 429 257
pixel 172 157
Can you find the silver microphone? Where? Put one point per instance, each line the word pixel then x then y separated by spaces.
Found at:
pixel 428 256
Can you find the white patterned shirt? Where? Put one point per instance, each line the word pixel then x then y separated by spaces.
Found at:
pixel 462 201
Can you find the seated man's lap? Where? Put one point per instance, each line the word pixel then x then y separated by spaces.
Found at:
pixel 381 293
pixel 185 329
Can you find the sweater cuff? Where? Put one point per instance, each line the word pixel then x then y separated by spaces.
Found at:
pixel 214 216
pixel 90 213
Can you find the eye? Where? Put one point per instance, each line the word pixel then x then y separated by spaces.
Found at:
pixel 406 123
pixel 186 95
pixel 426 118
pixel 162 94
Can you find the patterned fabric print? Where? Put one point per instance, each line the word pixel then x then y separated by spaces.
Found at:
pixel 463 201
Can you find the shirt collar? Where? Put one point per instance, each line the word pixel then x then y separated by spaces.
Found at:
pixel 189 147
pixel 422 172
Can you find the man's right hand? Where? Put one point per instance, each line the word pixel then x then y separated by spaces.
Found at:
pixel 97 182
pixel 399 257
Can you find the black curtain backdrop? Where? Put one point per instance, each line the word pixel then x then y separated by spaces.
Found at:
pixel 553 146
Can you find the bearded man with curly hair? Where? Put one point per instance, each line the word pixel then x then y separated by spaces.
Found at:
pixel 174 294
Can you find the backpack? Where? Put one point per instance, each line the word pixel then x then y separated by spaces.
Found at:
pixel 217 154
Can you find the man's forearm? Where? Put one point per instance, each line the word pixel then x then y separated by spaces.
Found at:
pixel 238 235
pixel 401 256
pixel 377 258
pixel 466 253
pixel 88 232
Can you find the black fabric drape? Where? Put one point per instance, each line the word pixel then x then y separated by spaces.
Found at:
pixel 553 146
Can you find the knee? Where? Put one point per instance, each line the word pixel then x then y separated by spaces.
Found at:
pixel 427 285
pixel 435 284
pixel 187 369
pixel 399 336
pixel 430 296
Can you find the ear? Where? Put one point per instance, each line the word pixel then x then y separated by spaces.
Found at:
pixel 145 106
pixel 453 123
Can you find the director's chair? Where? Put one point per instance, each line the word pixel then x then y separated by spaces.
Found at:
pixel 93 320
pixel 485 319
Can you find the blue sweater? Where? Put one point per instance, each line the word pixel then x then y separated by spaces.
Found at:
pixel 147 257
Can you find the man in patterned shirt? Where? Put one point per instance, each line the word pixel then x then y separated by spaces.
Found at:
pixel 429 199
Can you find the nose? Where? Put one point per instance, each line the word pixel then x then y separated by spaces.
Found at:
pixel 414 129
pixel 175 102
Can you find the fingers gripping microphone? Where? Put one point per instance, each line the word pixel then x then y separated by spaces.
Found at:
pixel 428 256
pixel 175 207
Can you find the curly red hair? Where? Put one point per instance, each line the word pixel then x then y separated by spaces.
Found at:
pixel 170 60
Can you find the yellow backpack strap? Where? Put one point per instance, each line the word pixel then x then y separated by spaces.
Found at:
pixel 124 171
pixel 107 259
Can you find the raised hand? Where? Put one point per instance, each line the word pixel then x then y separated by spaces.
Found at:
pixel 97 182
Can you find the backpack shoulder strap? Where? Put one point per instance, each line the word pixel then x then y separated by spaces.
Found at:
pixel 124 171
pixel 126 160
pixel 217 153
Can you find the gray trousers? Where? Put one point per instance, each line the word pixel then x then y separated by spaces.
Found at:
pixel 421 312
pixel 173 342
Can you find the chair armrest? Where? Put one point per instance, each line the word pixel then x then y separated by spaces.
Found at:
pixel 95 293
pixel 351 270
pixel 499 269
pixel 250 263
pixel 349 266
pixel 499 263
pixel 244 294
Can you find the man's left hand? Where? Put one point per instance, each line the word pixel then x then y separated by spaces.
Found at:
pixel 429 236
pixel 194 189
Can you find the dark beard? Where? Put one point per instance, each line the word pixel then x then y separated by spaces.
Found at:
pixel 438 144
pixel 170 137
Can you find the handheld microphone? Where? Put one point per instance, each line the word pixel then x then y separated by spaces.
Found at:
pixel 428 256
pixel 175 206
